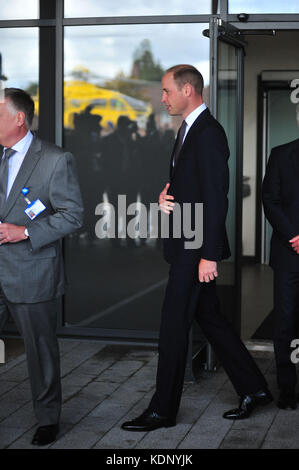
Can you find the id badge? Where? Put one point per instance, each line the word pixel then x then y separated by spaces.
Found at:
pixel 34 209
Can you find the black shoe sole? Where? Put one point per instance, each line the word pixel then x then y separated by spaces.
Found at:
pixel 152 428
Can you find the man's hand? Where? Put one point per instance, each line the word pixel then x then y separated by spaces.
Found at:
pixel 295 243
pixel 165 200
pixel 207 270
pixel 10 233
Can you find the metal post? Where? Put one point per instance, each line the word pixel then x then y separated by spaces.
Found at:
pixel 59 73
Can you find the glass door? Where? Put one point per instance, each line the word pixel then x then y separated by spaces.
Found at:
pixel 226 104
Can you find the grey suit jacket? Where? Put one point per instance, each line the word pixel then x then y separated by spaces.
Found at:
pixel 32 270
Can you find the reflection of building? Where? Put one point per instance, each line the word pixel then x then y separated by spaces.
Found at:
pixel 116 296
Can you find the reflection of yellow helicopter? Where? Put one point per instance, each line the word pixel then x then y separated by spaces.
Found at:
pixel 107 103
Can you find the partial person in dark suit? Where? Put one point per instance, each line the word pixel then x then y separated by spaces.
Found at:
pixel 199 174
pixel 31 264
pixel 280 192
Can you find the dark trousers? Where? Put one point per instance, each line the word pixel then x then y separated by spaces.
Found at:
pixel 37 325
pixel 286 314
pixel 185 299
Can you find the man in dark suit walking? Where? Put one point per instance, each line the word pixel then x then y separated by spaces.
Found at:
pixel 281 204
pixel 40 203
pixel 199 174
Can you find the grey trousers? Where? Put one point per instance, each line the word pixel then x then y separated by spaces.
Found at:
pixel 37 325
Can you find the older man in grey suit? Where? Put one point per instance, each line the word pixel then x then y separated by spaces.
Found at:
pixel 40 203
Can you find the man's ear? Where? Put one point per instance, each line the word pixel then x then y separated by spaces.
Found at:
pixel 188 89
pixel 20 118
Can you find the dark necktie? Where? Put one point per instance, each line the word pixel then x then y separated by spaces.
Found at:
pixel 4 176
pixel 179 142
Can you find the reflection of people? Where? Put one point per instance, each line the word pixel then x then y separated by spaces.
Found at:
pixel 281 203
pixel 120 162
pixel 85 143
pixel 32 278
pixel 199 174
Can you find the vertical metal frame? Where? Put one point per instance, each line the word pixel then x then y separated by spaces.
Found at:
pixel 59 73
pixel 239 185
pixel 215 23
pixel 213 35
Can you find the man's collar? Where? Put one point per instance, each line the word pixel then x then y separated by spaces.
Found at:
pixel 191 118
pixel 21 145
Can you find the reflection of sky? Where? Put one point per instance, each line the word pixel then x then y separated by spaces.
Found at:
pixel 19 50
pixel 79 8
pixel 19 9
pixel 265 6
pixel 108 50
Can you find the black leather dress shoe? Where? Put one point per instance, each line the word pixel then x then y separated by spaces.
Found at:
pixel 148 421
pixel 248 403
pixel 45 435
pixel 287 399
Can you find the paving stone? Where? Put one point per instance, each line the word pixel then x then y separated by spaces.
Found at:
pixel 24 417
pixel 9 435
pixel 93 367
pixel 207 434
pixel 18 373
pixel 103 386
pixel 284 430
pixel 5 386
pixel 117 438
pixel 164 438
pixel 77 439
pixel 281 444
pixel 244 439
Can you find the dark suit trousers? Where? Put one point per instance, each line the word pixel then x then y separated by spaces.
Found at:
pixel 37 325
pixel 185 299
pixel 286 309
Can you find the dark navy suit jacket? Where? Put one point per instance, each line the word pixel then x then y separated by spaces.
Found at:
pixel 280 193
pixel 201 175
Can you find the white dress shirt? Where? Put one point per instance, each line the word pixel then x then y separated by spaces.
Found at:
pixel 16 160
pixel 191 118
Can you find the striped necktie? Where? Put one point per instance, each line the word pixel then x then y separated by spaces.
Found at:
pixel 4 175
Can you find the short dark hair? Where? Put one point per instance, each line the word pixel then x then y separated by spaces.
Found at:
pixel 184 73
pixel 21 101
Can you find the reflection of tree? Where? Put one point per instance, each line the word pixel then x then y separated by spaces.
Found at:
pixel 32 88
pixel 144 66
pixel 126 86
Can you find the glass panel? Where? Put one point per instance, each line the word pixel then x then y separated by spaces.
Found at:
pixel 122 138
pixel 267 6
pixel 75 9
pixel 227 116
pixel 226 113
pixel 19 60
pixel 19 10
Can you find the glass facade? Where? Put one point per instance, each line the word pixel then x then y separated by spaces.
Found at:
pixel 122 138
pixel 19 10
pixel 19 60
pixel 88 8
pixel 266 6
